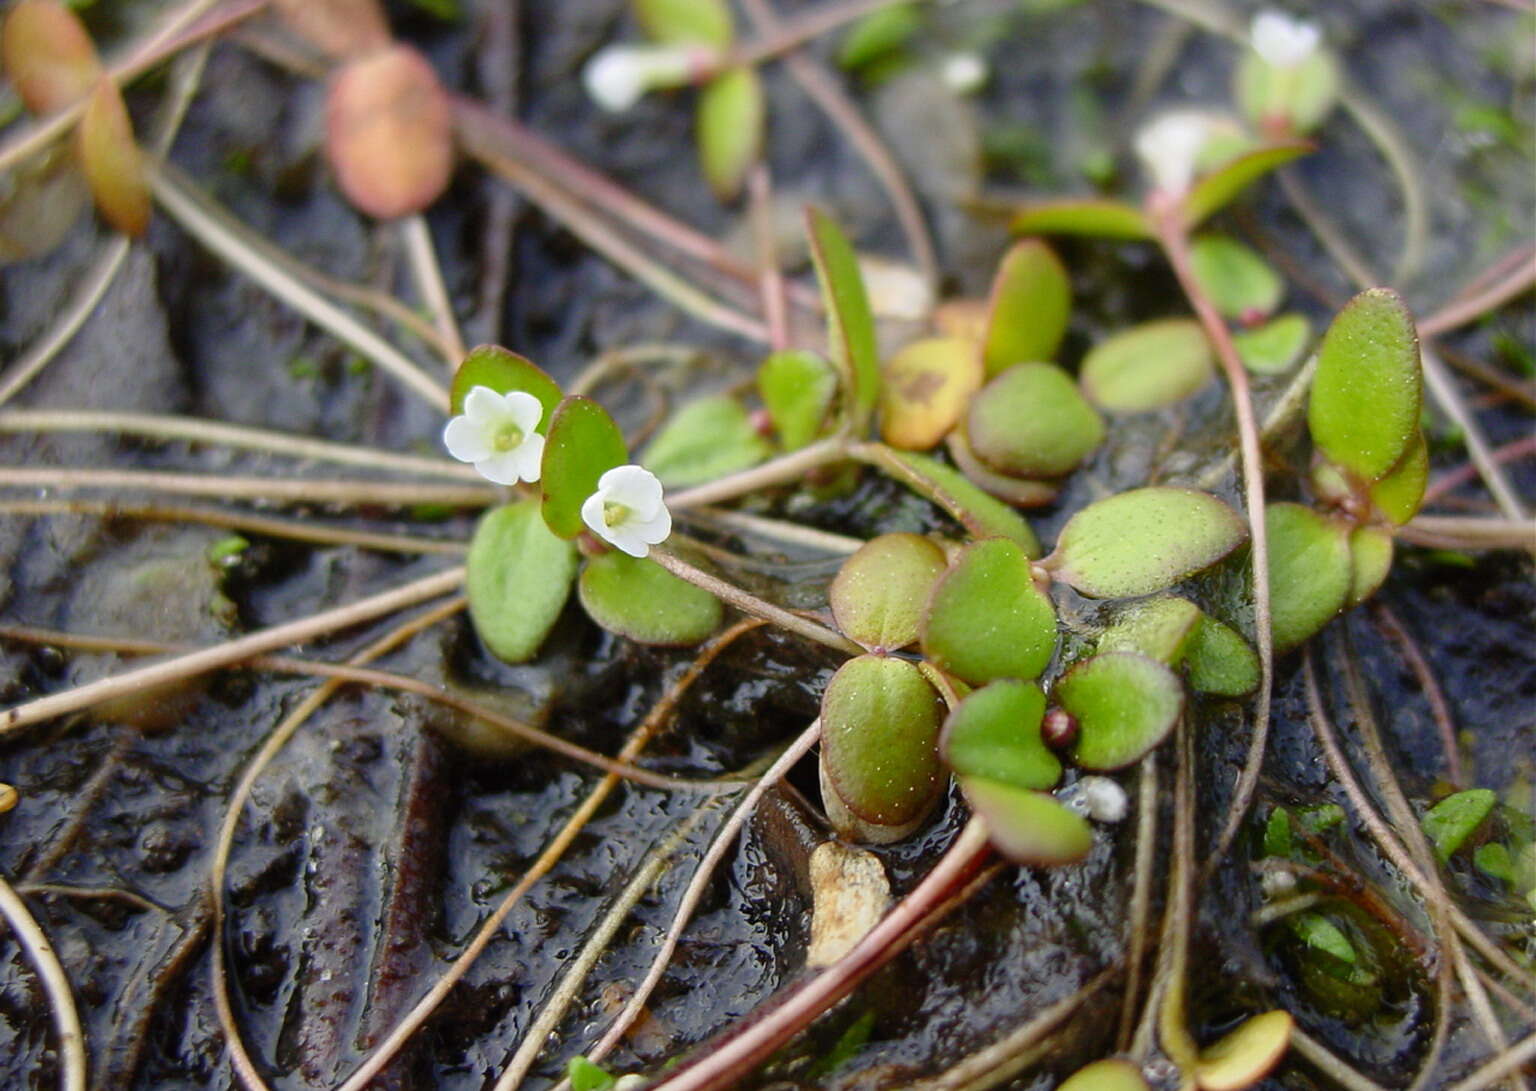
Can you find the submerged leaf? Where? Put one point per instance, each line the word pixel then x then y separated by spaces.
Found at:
pixel 40 200
pixel 1237 280
pixel 1149 366
pixel 850 323
pixel 1027 314
pixel 1159 628
pixel 995 733
pixel 1245 1056
pixel 637 598
pixel 502 371
pixel 1218 660
pixel 111 160
pixel 730 129
pixel 880 722
pixel 519 576
pixel 1098 218
pixel 1031 421
pixel 1026 827
pixel 797 387
pixel 1309 571
pixel 705 439
pixel 1125 704
pixel 926 387
pixel 1456 817
pixel 986 619
pixel 581 445
pixel 878 595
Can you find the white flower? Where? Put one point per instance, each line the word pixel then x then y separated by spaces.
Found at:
pixel 627 510
pixel 1170 146
pixel 496 433
pixel 616 77
pixel 1282 41
pixel 1098 798
pixel 964 73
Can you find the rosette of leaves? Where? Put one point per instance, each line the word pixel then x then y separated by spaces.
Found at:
pixel 523 558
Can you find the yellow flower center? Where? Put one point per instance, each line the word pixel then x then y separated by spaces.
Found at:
pixel 507 438
pixel 615 514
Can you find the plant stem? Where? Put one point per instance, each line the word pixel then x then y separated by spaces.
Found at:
pixel 429 282
pixel 1515 449
pixel 1462 311
pixel 1443 387
pixel 1469 532
pixel 61 1002
pixel 285 490
pixel 776 530
pixel 777 471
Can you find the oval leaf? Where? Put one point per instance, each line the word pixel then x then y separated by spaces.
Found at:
pixel 686 22
pixel 875 36
pixel 1148 366
pixel 1102 219
pixel 1221 187
pixel 519 576
pixel 1245 1056
pixel 879 735
pixel 730 133
pixel 44 199
pixel 1027 827
pixel 1398 495
pixel 1238 281
pixel 1113 1074
pixel 1031 421
pixel 850 323
pixel 637 598
pixel 1275 346
pixel 1125 705
pixel 1456 817
pixel 581 445
pixel 986 619
pixel 1018 491
pixel 1143 541
pixel 927 386
pixel 979 513
pixel 389 133
pixel 1159 629
pixel 995 733
pixel 1364 409
pixel 797 388
pixel 340 28
pixel 1219 661
pixel 48 55
pixel 111 161
pixel 1027 315
pixel 493 366
pixel 1370 561
pixel 878 595
pixel 705 439
pixel 1309 572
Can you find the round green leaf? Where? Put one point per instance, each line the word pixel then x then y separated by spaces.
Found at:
pixel 1275 346
pixel 686 22
pixel 1236 279
pixel 1160 628
pixel 995 733
pixel 797 387
pixel 1364 409
pixel 1028 827
pixel 1148 366
pixel 1143 541
pixel 878 595
pixel 1220 661
pixel 970 506
pixel 1031 421
pixel 1245 1056
pixel 1295 98
pixel 519 576
pixel 581 445
pixel 1125 705
pixel 1027 315
pixel 1370 560
pixel 637 598
pixel 1399 494
pixel 1309 571
pixel 1113 1074
pixel 730 132
pixel 1456 817
pixel 493 366
pixel 705 439
pixel 926 387
pixel 1021 492
pixel 850 323
pixel 1219 188
pixel 986 619
pixel 880 723
pixel 1089 216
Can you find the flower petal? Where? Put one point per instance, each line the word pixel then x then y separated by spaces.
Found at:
pixel 624 537
pixel 467 440
pixel 483 406
pixel 525 410
pixel 592 514
pixel 501 467
pixel 633 486
pixel 530 456
pixel 653 530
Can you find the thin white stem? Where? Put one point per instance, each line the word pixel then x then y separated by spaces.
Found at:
pixel 61 1001
pixel 1340 1072
pixel 1503 1064
pixel 235 244
pixel 778 530
pixel 1443 388
pixel 286 490
pixel 429 282
pixel 778 471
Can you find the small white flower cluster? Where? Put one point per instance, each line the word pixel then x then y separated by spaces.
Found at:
pixel 496 432
pixel 1170 147
pixel 1283 41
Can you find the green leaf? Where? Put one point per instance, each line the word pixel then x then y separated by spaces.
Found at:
pixel 581 445
pixel 1309 572
pixel 1238 281
pixel 1370 557
pixel 1493 860
pixel 1321 934
pixel 493 366
pixel 1219 188
pixel 1277 833
pixel 1019 491
pixel 1112 1074
pixel 1294 99
pixel 731 115
pixel 877 34
pixel 926 387
pixel 1026 827
pixel 1125 704
pixel 1218 660
pixel 1143 541
pixel 1364 409
pixel 797 387
pixel 880 722
pixel 1246 1055
pixel 519 576
pixel 1090 216
pixel 1149 366
pixel 1275 346
pixel 995 733
pixel 1031 421
pixel 1399 494
pixel 850 323
pixel 986 619
pixel 979 513
pixel 1031 302
pixel 1456 817
pixel 637 598
pixel 878 595
pixel 1159 628
pixel 586 1076
pixel 686 22
pixel 705 439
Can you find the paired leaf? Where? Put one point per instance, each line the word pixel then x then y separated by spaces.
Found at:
pixel 995 733
pixel 1026 827
pixel 1246 1055
pixel 1159 628
pixel 732 111
pixel 705 439
pixel 1364 408
pixel 1221 187
pixel 1113 1074
pixel 797 387
pixel 1399 494
pixel 638 599
pixel 986 619
pixel 1275 346
pixel 111 161
pixel 979 513
pixel 519 576
pixel 1031 421
pixel 1143 541
pixel 926 388
pixel 880 722
pixel 686 22
pixel 48 55
pixel 1217 660
pixel 1456 817
pixel 1031 302
pixel 581 445
pixel 1125 704
pixel 1103 219
pixel 1149 366
pixel 1021 492
pixel 850 323
pixel 878 595
pixel 1370 561
pixel 1310 572
pixel 1236 279
pixel 493 366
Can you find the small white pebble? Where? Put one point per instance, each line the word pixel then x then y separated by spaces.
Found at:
pixel 1098 798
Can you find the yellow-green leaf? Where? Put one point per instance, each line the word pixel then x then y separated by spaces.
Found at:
pixel 581 445
pixel 731 116
pixel 638 599
pixel 1149 366
pixel 926 387
pixel 1031 302
pixel 519 576
pixel 1089 216
pixel 111 161
pixel 48 55
pixel 1219 188
pixel 686 22
pixel 850 323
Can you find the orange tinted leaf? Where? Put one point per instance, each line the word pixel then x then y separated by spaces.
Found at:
pixel 111 161
pixel 49 58
pixel 341 28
